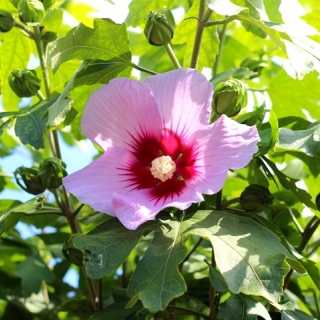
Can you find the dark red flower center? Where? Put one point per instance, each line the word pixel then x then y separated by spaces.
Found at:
pixel 146 149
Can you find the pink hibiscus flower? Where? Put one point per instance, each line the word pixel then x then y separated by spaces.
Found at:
pixel 159 149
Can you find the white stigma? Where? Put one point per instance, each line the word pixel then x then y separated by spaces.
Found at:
pixel 163 168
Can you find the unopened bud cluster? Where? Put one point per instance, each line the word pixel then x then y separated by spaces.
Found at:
pixel 24 83
pixel 48 175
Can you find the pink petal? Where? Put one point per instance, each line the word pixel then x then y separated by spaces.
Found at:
pixel 184 98
pixel 96 183
pixel 135 208
pixel 119 111
pixel 223 145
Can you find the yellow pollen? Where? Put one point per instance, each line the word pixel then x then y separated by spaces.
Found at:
pixel 163 168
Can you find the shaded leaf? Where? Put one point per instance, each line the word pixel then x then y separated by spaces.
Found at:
pixel 156 278
pixel 290 184
pixel 107 247
pixel 33 271
pixel 106 41
pixel 31 124
pixel 295 315
pixel 242 307
pixel 217 280
pixel 306 141
pixel 238 73
pixel 139 9
pixel 312 269
pixel 28 207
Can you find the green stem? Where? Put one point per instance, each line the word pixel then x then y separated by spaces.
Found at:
pixel 190 253
pixel 135 66
pixel 172 56
pixel 203 17
pixel 226 204
pixel 25 29
pixel 295 221
pixel 218 22
pixel 222 37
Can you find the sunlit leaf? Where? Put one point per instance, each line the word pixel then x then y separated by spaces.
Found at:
pixel 106 41
pixel 306 141
pixel 292 95
pixel 251 258
pixel 296 315
pixel 139 9
pixel 313 18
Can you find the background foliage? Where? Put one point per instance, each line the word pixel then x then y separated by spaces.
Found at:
pixel 265 263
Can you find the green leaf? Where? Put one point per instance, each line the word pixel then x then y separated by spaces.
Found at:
pixel 13 42
pixel 28 207
pixel 33 272
pixel 295 315
pixel 313 18
pixel 156 278
pixel 242 307
pixel 295 95
pixel 269 137
pixel 290 184
pixel 238 73
pixel 250 257
pixel 306 141
pixel 99 71
pixel 62 105
pixel 31 124
pixel 53 20
pixel 302 52
pixel 216 279
pixel 106 41
pixel 107 247
pixel 225 7
pixel 185 33
pixel 272 9
pixel 312 269
pixel 139 9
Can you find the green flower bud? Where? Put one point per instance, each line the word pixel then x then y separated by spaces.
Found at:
pixel 255 62
pixel 6 21
pixel 30 11
pixel 51 172
pixel 24 83
pixel 160 27
pixel 255 197
pixel 229 97
pixel 29 176
pixel 73 254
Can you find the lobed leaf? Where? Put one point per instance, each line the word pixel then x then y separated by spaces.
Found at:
pixel 107 247
pixel 156 278
pixel 250 257
pixel 106 41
